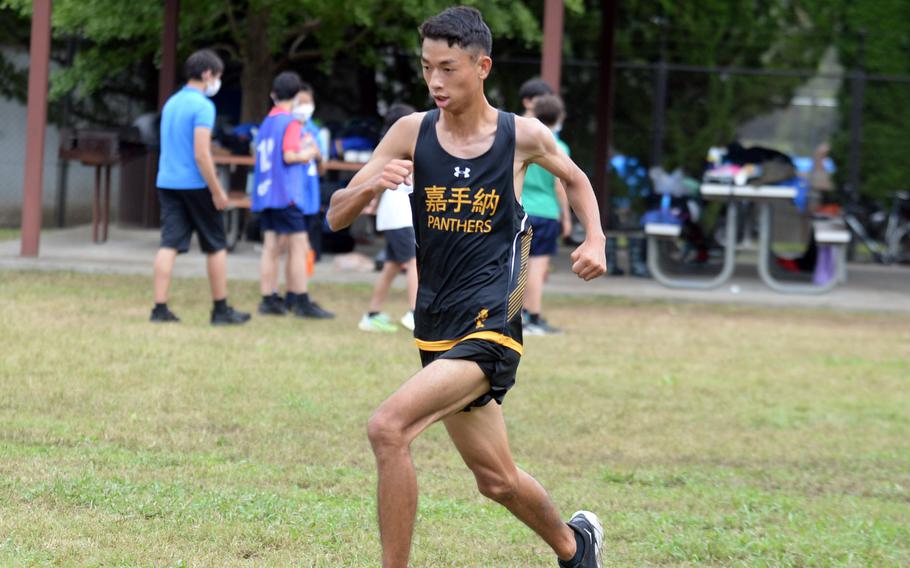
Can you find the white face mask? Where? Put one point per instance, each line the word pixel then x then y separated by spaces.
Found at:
pixel 211 89
pixel 304 112
pixel 557 128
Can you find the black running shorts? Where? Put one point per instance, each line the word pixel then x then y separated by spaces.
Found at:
pixel 400 245
pixel 186 210
pixel 285 221
pixel 498 362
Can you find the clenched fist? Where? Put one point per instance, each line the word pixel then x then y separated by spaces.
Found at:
pixel 395 173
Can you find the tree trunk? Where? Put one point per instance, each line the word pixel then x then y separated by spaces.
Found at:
pixel 256 77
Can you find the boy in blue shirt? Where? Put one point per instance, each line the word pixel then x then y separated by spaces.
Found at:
pixel 189 192
pixel 284 200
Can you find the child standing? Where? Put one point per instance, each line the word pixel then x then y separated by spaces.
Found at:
pixel 393 217
pixel 279 196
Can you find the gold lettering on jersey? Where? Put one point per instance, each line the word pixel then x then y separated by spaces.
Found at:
pixel 482 316
pixel 436 200
pixel 460 197
pixel 483 202
pixel 453 225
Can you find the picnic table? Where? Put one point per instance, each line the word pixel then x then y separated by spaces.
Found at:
pixel 827 232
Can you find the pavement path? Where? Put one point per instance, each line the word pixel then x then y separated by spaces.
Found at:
pixel 870 288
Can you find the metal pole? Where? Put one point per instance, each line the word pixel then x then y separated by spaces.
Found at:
pixel 658 115
pixel 63 165
pixel 36 120
pixel 551 62
pixel 605 113
pixel 167 77
pixel 857 96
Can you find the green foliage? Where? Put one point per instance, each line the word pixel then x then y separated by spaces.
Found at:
pixel 874 37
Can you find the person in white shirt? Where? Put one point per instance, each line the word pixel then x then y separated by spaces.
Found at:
pixel 393 219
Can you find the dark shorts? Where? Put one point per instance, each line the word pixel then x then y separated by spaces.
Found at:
pixel 400 244
pixel 498 362
pixel 284 221
pixel 545 236
pixel 186 210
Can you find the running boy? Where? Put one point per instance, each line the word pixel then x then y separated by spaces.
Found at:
pixel 468 162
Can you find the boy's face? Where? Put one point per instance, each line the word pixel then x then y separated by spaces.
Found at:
pixel 304 98
pixel 453 75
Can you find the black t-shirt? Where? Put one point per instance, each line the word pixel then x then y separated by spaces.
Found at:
pixel 473 239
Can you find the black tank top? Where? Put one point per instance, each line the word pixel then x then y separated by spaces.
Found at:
pixel 473 240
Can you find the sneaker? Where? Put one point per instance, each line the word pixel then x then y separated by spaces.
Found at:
pixel 163 316
pixel 378 323
pixel 540 328
pixel 407 320
pixel 588 526
pixel 312 310
pixel 229 316
pixel 273 306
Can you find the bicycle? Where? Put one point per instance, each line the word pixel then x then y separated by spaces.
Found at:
pixel 885 233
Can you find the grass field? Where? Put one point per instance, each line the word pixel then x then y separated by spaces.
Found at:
pixel 9 234
pixel 703 436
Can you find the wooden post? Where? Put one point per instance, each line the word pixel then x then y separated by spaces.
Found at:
pixel 551 62
pixel 167 77
pixel 36 120
pixel 605 113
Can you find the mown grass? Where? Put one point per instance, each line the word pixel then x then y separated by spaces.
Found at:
pixel 703 436
pixel 9 234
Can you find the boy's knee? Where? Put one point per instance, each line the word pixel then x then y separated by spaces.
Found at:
pixel 497 486
pixel 384 432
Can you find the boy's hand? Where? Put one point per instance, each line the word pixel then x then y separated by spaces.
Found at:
pixel 589 260
pixel 395 173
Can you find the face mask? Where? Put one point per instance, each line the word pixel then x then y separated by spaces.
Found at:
pixel 558 128
pixel 304 112
pixel 212 89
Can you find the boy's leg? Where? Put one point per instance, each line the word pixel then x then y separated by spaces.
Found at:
pixel 537 272
pixel 381 288
pixel 269 263
pixel 440 389
pixel 480 436
pixel 216 264
pixel 164 267
pixel 298 247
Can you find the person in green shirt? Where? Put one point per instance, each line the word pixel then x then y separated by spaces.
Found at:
pixel 545 202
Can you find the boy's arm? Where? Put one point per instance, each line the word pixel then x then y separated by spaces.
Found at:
pixel 389 166
pixel 202 152
pixel 536 144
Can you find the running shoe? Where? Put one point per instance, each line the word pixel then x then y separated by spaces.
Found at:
pixel 229 316
pixel 588 526
pixel 273 306
pixel 311 310
pixel 163 316
pixel 407 320
pixel 379 323
pixel 540 327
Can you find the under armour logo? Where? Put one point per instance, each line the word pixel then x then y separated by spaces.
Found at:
pixel 465 173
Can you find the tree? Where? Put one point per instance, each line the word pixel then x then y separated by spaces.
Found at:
pixel 265 36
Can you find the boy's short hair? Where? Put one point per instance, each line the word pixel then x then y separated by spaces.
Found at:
pixel 549 109
pixel 459 25
pixel 286 85
pixel 534 88
pixel 200 62
pixel 396 111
